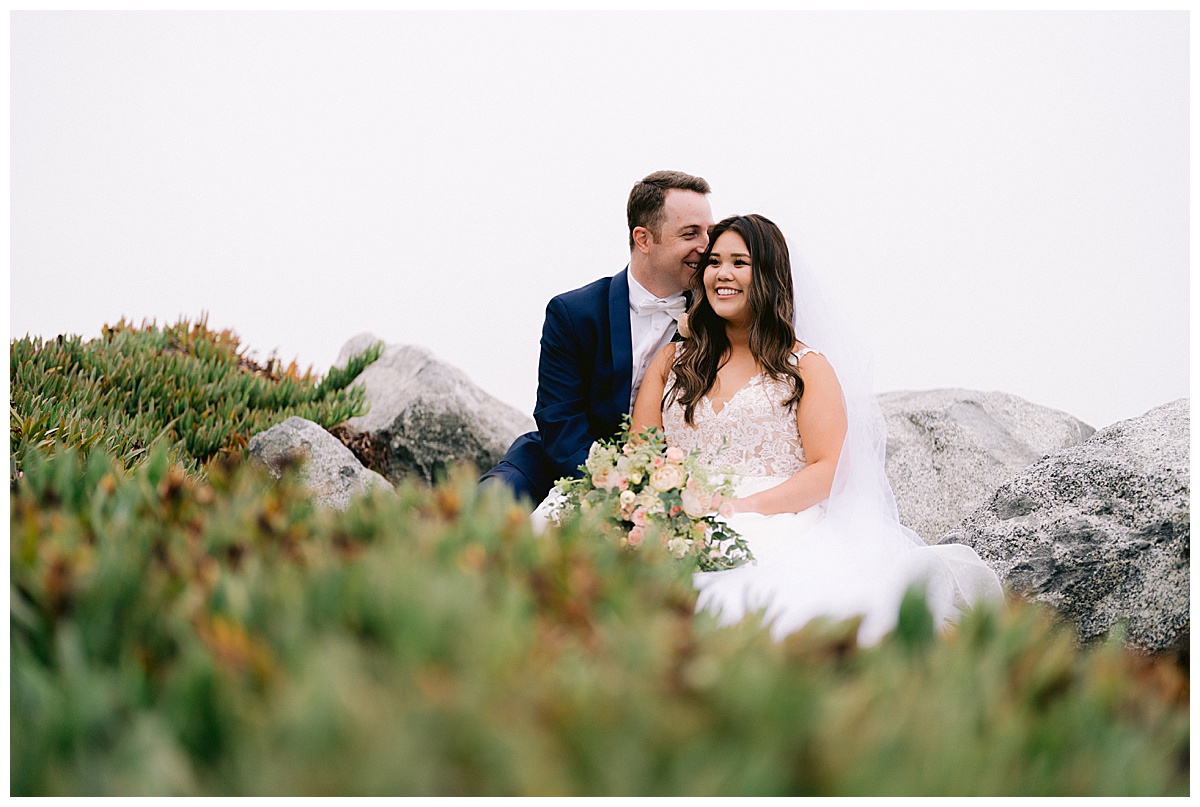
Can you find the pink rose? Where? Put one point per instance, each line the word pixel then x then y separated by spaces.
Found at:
pixel 667 477
pixel 658 462
pixel 682 326
pixel 609 480
pixel 694 504
pixel 636 535
pixel 676 510
pixel 639 517
pixel 675 454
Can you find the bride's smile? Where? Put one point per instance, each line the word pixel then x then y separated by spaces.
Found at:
pixel 727 278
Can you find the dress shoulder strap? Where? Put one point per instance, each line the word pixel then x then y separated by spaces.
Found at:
pixel 802 352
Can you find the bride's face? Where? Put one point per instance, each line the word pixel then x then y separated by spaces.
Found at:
pixel 727 278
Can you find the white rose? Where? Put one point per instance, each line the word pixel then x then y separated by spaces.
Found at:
pixel 599 459
pixel 649 502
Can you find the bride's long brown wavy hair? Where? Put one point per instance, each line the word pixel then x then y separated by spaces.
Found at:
pixel 772 333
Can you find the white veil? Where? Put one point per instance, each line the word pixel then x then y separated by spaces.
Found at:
pixel 861 506
pixel 860 475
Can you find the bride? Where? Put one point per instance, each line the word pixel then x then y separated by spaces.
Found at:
pixel 798 423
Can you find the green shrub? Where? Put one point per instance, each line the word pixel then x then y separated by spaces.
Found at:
pixel 176 635
pixel 182 385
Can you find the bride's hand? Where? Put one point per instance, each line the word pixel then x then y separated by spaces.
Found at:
pixel 730 506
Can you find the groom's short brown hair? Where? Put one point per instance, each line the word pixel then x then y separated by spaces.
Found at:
pixel 646 200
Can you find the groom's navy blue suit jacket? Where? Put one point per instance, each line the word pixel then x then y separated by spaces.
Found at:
pixel 584 378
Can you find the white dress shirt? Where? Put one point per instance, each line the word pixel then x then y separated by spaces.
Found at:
pixel 648 332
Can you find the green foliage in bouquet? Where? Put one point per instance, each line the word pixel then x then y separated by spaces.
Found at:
pixel 172 634
pixel 181 385
pixel 641 488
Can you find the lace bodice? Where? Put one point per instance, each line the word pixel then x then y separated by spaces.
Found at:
pixel 754 433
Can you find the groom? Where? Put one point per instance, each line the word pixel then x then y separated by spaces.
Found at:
pixel 598 340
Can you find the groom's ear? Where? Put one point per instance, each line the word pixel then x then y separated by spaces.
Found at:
pixel 641 240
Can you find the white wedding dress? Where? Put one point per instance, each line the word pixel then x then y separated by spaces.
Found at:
pixel 809 565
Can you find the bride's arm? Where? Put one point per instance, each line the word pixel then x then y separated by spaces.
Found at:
pixel 821 421
pixel 647 409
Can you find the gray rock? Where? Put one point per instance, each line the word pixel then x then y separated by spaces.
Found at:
pixel 949 449
pixel 425 415
pixel 1101 531
pixel 330 471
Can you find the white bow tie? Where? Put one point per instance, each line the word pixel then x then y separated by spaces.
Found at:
pixel 674 307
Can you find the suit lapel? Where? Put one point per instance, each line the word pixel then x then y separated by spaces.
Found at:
pixel 622 346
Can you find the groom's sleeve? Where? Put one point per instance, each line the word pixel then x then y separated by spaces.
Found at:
pixel 561 411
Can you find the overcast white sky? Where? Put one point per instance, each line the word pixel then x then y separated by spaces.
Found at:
pixel 1001 199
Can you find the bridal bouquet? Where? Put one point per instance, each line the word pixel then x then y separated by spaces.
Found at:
pixel 644 489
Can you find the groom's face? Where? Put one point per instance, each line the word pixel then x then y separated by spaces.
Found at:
pixel 675 253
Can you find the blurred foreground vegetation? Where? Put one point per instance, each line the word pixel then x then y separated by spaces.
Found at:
pixel 182 625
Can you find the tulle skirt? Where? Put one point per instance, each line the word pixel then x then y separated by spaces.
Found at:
pixel 839 564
